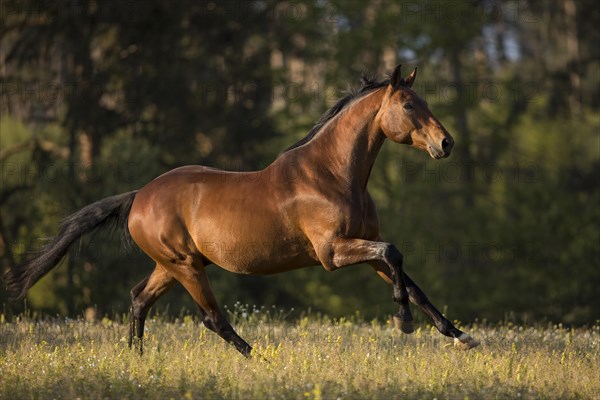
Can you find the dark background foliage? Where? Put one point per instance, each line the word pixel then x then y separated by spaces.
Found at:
pixel 101 97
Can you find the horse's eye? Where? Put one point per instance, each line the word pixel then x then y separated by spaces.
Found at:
pixel 408 106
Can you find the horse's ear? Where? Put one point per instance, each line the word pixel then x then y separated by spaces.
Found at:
pixel 411 78
pixel 396 79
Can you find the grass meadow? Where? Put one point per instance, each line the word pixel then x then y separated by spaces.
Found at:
pixel 309 357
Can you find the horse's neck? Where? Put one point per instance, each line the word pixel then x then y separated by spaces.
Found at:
pixel 348 145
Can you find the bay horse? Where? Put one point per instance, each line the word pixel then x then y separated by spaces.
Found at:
pixel 310 206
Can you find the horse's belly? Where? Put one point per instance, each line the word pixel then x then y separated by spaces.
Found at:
pixel 257 257
pixel 241 226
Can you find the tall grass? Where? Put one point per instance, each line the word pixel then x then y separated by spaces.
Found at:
pixel 309 358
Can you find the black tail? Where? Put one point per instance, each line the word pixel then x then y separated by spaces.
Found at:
pixel 112 209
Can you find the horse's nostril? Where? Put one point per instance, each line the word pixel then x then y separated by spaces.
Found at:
pixel 445 144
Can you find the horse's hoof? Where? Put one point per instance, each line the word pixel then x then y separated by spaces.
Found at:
pixel 405 326
pixel 465 342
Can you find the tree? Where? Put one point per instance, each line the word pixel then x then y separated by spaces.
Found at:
pixel 99 98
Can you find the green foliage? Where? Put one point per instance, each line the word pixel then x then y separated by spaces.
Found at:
pixel 98 98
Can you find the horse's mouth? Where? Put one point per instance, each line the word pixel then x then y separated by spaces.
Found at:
pixel 437 154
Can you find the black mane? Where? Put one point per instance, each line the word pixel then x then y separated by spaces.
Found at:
pixel 368 85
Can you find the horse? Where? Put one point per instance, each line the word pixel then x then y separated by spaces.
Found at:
pixel 310 206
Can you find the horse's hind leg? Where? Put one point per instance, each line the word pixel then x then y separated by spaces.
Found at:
pixel 195 281
pixel 133 321
pixel 143 296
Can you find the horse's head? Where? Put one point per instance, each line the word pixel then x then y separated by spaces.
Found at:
pixel 405 118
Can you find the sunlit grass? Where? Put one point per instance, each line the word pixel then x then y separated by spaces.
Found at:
pixel 307 358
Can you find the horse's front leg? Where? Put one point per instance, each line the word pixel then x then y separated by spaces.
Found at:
pixel 418 298
pixel 346 251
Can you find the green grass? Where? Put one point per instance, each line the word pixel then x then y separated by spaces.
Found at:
pixel 310 358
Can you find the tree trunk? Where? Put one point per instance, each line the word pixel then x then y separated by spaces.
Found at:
pixel 570 8
pixel 463 136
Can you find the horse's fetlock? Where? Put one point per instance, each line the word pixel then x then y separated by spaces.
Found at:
pixel 444 327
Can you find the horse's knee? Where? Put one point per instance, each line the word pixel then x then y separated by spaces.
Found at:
pixel 393 255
